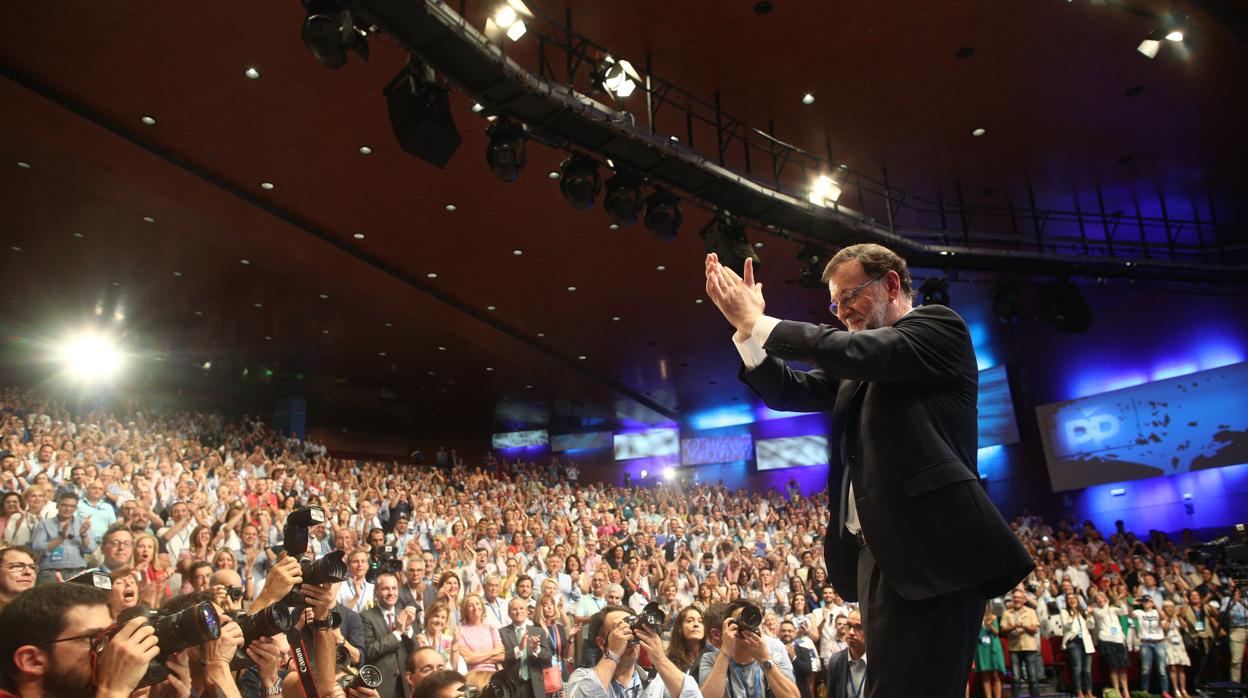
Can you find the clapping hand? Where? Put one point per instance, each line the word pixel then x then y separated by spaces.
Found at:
pixel 739 298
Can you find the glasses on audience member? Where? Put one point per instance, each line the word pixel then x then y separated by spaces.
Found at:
pixel 19 566
pixel 853 627
pixel 851 295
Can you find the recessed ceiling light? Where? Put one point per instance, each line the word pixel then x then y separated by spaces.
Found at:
pixel 365 150
pixel 451 207
pixel 324 331
pixel 944 252
pixel 490 307
pixel 177 274
pixel 148 219
pixel 79 235
pixel 381 353
pixel 245 262
pixel 431 373
pixel 530 387
pixel 116 283
pixel 15 248
pixel 432 275
pixel 477 107
pixel 324 296
pixel 541 334
pixel 268 338
pixel 571 289
pixel 615 318
pixel 517 252
pixel 252 73
pixel 489 368
pixel 441 348
pixel 808 98
pixel 267 186
pixel 23 164
pixel 258 305
pixel 758 245
pixel 149 120
pixel 358 236
pixel 613 226
pixel 698 301
pixel 389 324
pixel 199 313
pixel 674 138
pixel 660 268
pixel 978 132
pixel 553 174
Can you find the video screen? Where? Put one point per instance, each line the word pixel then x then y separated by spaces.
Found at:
pixel 1192 422
pixel 589 439
pixel 791 452
pixel 720 449
pixel 996 408
pixel 647 444
pixel 521 439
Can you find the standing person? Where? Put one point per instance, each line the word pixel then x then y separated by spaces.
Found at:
pixel 63 541
pixel 989 657
pixel 1111 641
pixel 1177 660
pixel 804 656
pixel 1235 620
pixel 1201 623
pixel 387 637
pixel 550 620
pixel 479 642
pixel 527 651
pixel 916 540
pixel 1152 644
pixel 688 640
pixel 847 669
pixel 1077 641
pixel 1021 625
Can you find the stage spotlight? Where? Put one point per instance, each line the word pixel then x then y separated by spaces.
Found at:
pixel 505 151
pixel 329 32
pixel 811 275
pixel 669 473
pixel 1006 304
pixel 420 114
pixel 623 200
pixel 934 291
pixel 617 77
pixel 1178 27
pixel 725 236
pixel 1150 45
pixel 1062 305
pixel 663 216
pixel 826 188
pixel 508 20
pixel 580 182
pixel 91 357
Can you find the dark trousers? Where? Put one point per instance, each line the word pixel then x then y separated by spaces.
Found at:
pixel 916 648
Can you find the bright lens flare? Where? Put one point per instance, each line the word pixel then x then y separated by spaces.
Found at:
pixel 91 358
pixel 824 191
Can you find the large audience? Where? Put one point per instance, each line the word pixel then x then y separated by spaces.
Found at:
pixel 468 573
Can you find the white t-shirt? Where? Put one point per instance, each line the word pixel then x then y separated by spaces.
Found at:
pixel 1150 624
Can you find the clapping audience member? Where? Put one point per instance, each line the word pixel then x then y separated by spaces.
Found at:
pixel 1078 643
pixel 989 657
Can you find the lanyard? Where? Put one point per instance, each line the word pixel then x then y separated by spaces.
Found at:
pixel 849 679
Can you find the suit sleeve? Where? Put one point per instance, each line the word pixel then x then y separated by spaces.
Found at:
pixel 545 651
pixel 353 631
pixel 928 346
pixel 785 389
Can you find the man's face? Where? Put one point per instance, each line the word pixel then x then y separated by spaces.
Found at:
pixel 179 511
pixel 1019 600
pixel 376 538
pixel 839 624
pixel 525 588
pixel 250 534
pixel 596 583
pixel 95 491
pixel 17 572
pixel 415 571
pixel 518 611
pixel 358 564
pixel 787 632
pixel 492 587
pixel 861 304
pixel 67 671
pixel 77 475
pixel 853 633
pixel 117 549
pixel 387 590
pixel 201 579
pixel 427 661
pixel 66 508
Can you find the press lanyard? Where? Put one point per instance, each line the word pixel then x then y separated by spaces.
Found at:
pixel 849 679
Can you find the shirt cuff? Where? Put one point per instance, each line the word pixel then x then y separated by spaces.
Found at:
pixel 751 350
pixel 763 328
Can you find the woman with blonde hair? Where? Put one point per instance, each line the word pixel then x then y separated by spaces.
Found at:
pixel 1177 661
pixel 152 570
pixel 480 645
pixel 436 635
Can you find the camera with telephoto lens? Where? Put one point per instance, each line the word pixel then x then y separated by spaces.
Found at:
pixel 750 618
pixel 174 633
pixel 367 676
pixel 383 559
pixel 295 532
pixel 651 617
pixel 330 569
pixel 267 622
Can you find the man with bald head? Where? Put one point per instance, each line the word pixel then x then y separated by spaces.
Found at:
pixel 227 585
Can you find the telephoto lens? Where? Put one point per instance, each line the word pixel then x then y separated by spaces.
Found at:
pixel 174 633
pixel 750 618
pixel 367 676
pixel 328 570
pixel 275 619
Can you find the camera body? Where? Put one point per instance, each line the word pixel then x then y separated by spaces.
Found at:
pixel 749 619
pixel 651 617
pixel 383 559
pixel 267 622
pixel 174 633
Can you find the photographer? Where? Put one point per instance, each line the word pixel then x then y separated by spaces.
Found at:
pixel 741 662
pixel 616 673
pixel 53 656
pixel 210 661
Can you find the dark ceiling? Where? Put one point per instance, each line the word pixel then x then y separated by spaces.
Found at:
pixel 500 338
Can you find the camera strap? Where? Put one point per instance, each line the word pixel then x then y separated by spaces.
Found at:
pixel 301 653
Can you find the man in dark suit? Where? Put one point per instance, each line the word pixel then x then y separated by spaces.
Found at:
pixel 847 669
pixel 387 636
pixel 804 656
pixel 916 540
pixel 528 650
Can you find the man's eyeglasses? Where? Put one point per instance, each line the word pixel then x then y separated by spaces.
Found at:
pixel 852 295
pixel 19 566
pixel 853 627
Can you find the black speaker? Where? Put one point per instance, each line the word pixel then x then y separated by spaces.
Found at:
pixel 420 114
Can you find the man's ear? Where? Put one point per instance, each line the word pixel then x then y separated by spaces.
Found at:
pixel 30 660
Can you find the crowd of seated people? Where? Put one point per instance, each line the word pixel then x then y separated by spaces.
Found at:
pixel 459 574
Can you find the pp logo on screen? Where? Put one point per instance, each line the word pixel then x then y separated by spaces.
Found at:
pixel 1091 430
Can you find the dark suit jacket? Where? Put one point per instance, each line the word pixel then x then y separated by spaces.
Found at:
pixel 352 627
pixel 838 675
pixel 903 429
pixel 385 651
pixel 536 687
